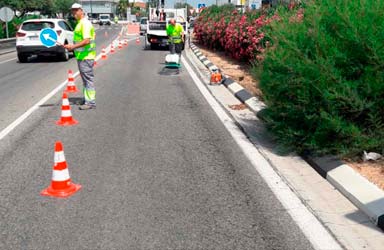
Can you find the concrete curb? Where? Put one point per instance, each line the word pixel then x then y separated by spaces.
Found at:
pixel 7 52
pixel 362 193
pixel 252 102
pixel 7 45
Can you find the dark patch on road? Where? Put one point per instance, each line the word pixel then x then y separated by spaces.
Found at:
pixel 48 105
pixel 169 71
pixel 76 100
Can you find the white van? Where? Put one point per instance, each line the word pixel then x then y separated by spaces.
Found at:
pixel 105 19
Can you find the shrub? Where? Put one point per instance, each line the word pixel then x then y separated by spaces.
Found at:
pixel 224 28
pixel 13 26
pixel 323 78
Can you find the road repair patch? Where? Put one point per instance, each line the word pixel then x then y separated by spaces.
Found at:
pixel 169 71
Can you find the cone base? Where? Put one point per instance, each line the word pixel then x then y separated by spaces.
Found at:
pixel 67 123
pixel 62 193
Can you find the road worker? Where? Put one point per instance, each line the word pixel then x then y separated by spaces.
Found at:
pixel 175 33
pixel 84 47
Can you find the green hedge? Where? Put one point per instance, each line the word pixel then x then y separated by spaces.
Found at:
pixel 13 26
pixel 323 77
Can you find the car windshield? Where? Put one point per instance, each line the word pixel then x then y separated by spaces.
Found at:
pixel 104 17
pixel 143 21
pixel 37 25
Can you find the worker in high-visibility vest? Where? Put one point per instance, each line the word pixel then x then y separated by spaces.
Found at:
pixel 175 33
pixel 84 47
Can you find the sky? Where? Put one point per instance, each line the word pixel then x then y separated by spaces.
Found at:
pixel 170 3
pixel 191 2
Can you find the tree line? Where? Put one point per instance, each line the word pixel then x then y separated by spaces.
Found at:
pixel 45 7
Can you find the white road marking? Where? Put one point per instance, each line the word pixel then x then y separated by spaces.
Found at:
pixel 315 232
pixel 8 60
pixel 24 116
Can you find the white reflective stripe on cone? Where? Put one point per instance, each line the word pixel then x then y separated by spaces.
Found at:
pixel 65 102
pixel 59 157
pixel 66 113
pixel 60 175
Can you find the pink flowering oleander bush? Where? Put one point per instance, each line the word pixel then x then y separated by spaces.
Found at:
pixel 240 35
pixel 320 66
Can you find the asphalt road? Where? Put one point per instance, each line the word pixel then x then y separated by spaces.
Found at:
pixel 158 168
pixel 24 84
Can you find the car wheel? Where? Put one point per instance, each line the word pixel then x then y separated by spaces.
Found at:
pixel 146 44
pixel 65 55
pixel 154 46
pixel 22 58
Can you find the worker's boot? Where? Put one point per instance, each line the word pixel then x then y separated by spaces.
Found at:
pixel 87 107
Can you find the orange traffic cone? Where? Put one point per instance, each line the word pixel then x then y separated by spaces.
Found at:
pixel 71 87
pixel 94 63
pixel 125 42
pixel 216 77
pixel 138 40
pixel 120 46
pixel 103 54
pixel 61 185
pixel 112 49
pixel 66 115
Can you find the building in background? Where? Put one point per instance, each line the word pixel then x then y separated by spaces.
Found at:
pixel 140 5
pixel 97 7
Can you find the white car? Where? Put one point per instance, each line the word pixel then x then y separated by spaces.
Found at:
pixel 28 42
pixel 104 19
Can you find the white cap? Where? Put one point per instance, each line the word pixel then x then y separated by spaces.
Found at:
pixel 76 6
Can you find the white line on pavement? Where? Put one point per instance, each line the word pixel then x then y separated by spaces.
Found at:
pixel 315 232
pixel 24 116
pixel 8 60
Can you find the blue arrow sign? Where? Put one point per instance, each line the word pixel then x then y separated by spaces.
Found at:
pixel 201 5
pixel 48 37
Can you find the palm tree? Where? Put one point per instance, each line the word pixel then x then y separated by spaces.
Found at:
pixel 122 7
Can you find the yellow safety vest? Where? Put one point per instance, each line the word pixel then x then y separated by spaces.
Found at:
pixel 175 32
pixel 84 28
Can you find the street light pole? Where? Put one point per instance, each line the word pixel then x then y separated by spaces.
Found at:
pixel 91 10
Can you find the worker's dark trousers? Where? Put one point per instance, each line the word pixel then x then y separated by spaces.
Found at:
pixel 175 48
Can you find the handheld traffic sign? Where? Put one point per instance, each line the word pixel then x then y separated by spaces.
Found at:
pixel 6 15
pixel 48 37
